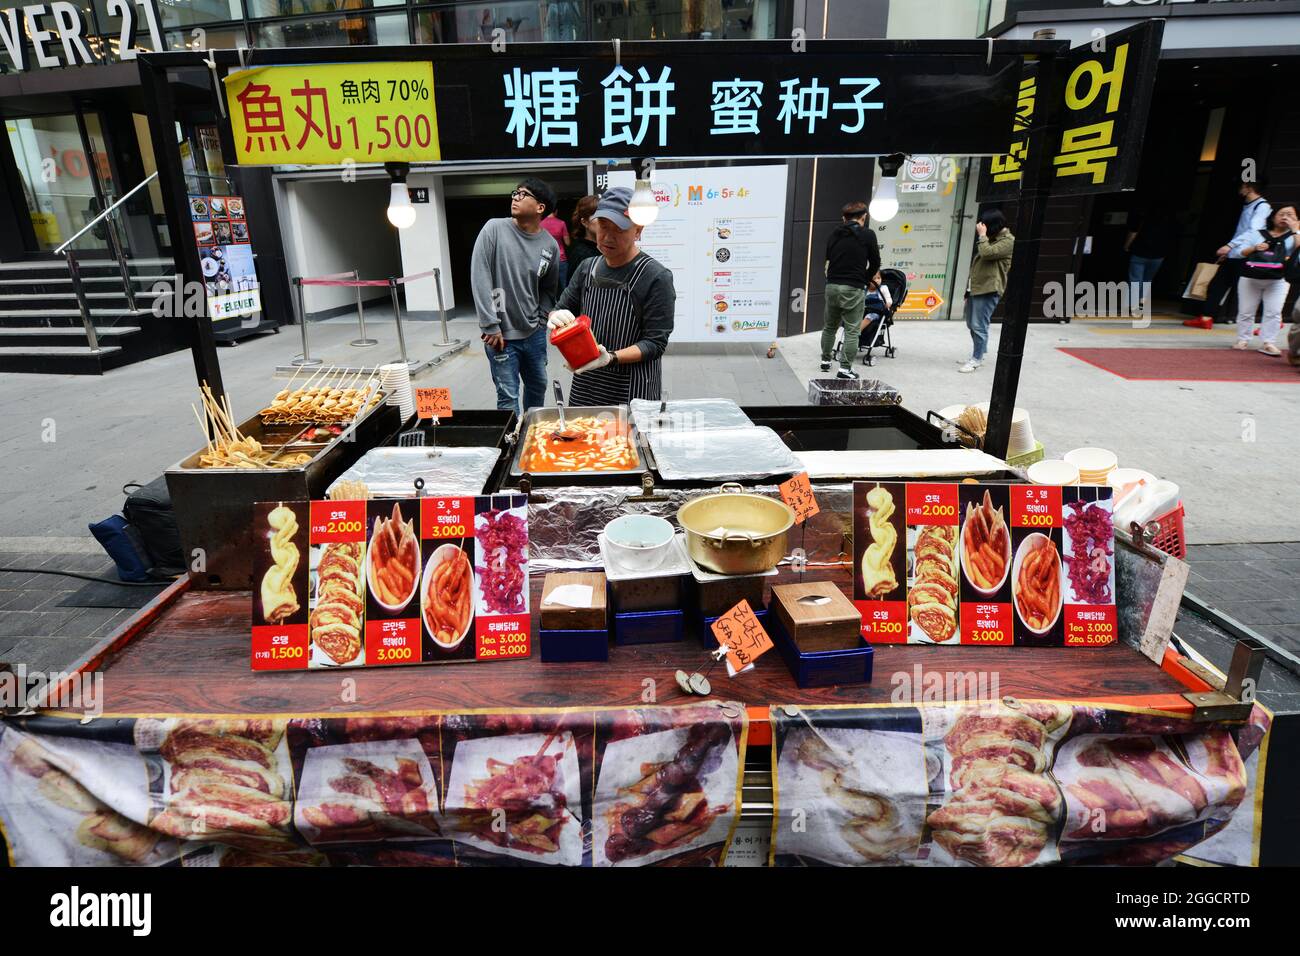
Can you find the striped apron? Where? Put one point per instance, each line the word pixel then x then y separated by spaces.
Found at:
pixel 616 323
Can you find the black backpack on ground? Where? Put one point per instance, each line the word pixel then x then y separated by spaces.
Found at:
pixel 148 510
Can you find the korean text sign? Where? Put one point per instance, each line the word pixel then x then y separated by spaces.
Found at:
pixel 324 114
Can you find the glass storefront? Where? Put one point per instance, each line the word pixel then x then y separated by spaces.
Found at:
pixel 59 178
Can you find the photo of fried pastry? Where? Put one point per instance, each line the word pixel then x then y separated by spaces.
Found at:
pixel 338 615
pixel 1003 805
pixel 932 591
pixel 278 589
pixel 985 545
pixel 876 568
pixel 1036 583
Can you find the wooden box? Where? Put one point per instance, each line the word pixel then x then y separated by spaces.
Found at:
pixel 817 616
pixel 559 617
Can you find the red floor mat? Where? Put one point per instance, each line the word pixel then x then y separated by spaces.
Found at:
pixel 1192 365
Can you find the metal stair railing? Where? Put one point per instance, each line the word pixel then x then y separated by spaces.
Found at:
pixel 115 247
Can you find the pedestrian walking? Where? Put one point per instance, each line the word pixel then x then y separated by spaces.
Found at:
pixel 1152 234
pixel 1263 260
pixel 852 258
pixel 560 233
pixel 515 281
pixel 1255 211
pixel 582 234
pixel 994 244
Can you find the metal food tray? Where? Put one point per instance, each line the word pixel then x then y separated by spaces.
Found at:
pixel 721 454
pixel 692 414
pixel 391 472
pixel 551 414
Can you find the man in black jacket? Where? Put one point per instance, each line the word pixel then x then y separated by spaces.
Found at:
pixel 852 258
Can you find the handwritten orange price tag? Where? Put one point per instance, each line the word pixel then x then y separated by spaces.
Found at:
pixel 740 633
pixel 798 494
pixel 433 403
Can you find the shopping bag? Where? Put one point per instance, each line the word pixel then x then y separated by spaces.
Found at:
pixel 1199 283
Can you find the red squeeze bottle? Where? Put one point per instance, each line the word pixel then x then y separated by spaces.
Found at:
pixel 576 343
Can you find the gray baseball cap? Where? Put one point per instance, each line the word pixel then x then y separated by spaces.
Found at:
pixel 612 205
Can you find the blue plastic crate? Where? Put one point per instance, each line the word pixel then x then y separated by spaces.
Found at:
pixel 649 627
pixel 704 628
pixel 564 646
pixel 821 668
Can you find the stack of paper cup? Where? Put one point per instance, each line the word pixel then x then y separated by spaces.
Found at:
pixel 395 379
pixel 1022 435
pixel 1053 472
pixel 1094 464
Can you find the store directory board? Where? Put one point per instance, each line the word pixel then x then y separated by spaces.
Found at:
pixel 984 564
pixel 386 582
pixel 722 233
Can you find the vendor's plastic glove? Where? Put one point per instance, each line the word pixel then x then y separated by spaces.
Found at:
pixel 600 361
pixel 559 319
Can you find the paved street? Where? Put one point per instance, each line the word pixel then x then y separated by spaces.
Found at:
pixel 133 423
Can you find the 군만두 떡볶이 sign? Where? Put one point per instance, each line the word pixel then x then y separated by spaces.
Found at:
pixel 1106 95
pixel 323 114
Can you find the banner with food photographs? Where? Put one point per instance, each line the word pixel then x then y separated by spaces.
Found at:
pixel 984 564
pixel 226 256
pixel 654 786
pixel 1012 783
pixel 388 582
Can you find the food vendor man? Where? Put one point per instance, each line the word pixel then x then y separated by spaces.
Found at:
pixel 630 300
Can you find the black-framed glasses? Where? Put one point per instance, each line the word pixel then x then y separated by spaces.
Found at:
pixel 521 193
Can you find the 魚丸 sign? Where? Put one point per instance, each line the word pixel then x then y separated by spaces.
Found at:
pixel 324 114
pixel 1097 145
pixel 578 102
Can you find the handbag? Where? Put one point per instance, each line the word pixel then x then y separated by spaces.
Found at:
pixel 1198 285
pixel 1269 264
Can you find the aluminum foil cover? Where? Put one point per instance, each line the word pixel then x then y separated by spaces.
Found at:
pixel 841 391
pixel 391 472
pixel 564 527
pixel 722 453
pixel 693 414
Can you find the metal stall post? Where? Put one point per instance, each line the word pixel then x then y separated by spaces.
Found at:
pixel 306 358
pixel 160 107
pixel 397 317
pixel 363 341
pixel 442 309
pixel 1030 214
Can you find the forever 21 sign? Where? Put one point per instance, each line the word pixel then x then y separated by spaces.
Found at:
pixel 60 28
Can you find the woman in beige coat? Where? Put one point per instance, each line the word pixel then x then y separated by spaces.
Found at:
pixel 988 280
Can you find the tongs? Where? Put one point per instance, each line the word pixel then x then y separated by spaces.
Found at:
pixel 564 434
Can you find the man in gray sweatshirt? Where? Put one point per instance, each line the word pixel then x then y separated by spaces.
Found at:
pixel 515 276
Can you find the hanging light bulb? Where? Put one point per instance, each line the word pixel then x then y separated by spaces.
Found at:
pixel 884 204
pixel 642 208
pixel 400 211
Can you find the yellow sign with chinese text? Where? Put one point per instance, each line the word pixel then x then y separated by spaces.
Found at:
pixel 327 114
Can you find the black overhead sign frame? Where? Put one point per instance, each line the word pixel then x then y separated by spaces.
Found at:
pixel 936 96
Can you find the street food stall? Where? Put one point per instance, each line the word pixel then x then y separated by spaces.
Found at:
pixel 626 636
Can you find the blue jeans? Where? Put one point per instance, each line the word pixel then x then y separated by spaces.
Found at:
pixel 1141 270
pixel 979 310
pixel 521 358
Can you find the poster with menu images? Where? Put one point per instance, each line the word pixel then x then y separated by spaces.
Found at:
pixel 226 256
pixel 984 564
pixel 386 582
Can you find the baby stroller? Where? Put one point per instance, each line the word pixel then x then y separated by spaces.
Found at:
pixel 876 327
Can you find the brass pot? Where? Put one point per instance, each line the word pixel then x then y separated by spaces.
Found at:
pixel 735 532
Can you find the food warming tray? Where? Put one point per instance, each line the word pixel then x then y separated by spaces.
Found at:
pixel 391 472
pixel 551 414
pixel 721 454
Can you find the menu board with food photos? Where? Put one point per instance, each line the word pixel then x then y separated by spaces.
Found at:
pixel 226 256
pixel 383 582
pixel 984 564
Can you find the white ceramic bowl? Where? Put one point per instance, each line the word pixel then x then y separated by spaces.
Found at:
pixel 965 562
pixel 374 592
pixel 639 542
pixel 1031 542
pixel 440 554
pixel 1092 461
pixel 1052 471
